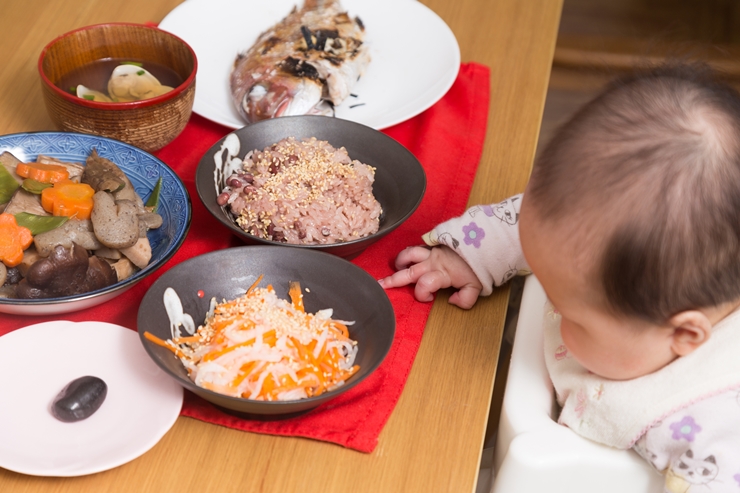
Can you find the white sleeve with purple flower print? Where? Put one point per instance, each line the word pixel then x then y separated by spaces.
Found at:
pixel 698 448
pixel 487 238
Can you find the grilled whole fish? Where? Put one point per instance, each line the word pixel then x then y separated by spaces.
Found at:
pixel 304 64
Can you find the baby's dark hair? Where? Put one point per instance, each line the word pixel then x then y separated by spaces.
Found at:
pixel 656 157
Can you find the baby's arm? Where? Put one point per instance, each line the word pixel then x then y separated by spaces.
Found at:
pixel 472 253
pixel 696 448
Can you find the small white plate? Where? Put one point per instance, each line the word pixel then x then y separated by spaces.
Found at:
pixel 415 55
pixel 37 361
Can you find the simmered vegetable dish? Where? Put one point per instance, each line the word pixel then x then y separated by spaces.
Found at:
pixel 68 228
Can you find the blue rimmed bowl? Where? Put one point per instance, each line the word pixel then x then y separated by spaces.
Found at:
pixel 143 170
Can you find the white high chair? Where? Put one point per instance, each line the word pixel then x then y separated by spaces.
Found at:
pixel 533 453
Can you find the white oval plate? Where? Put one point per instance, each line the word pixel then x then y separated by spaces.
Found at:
pixel 37 361
pixel 415 55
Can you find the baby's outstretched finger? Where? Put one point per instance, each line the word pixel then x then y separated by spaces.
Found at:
pixel 412 255
pixel 404 277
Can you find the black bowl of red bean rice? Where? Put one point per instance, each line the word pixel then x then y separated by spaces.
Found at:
pixel 311 182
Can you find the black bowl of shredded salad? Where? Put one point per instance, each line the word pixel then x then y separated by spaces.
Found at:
pixel 248 355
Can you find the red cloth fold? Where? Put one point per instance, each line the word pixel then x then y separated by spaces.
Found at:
pixel 448 141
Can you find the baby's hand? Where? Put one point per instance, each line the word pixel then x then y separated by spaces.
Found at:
pixel 433 269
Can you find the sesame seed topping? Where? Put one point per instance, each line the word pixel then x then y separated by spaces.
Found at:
pixel 296 182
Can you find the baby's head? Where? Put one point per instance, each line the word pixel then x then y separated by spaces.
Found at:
pixel 631 220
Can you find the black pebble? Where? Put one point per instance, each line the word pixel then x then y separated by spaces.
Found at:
pixel 79 399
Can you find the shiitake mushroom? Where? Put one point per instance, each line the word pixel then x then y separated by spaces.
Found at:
pixel 66 272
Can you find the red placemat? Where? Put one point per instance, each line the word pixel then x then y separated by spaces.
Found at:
pixel 448 141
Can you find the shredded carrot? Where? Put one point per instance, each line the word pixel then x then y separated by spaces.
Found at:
pixel 296 295
pixel 67 198
pixel 268 337
pixel 268 384
pixel 14 240
pixel 182 340
pixel 45 173
pixel 244 372
pixel 156 340
pixel 256 283
pixel 222 324
pixel 342 328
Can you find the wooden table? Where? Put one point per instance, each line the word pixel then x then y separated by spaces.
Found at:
pixel 434 437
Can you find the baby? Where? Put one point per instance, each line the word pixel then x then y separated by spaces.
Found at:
pixel 631 223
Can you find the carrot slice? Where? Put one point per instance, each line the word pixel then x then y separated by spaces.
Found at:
pixel 45 173
pixel 67 198
pixel 14 240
